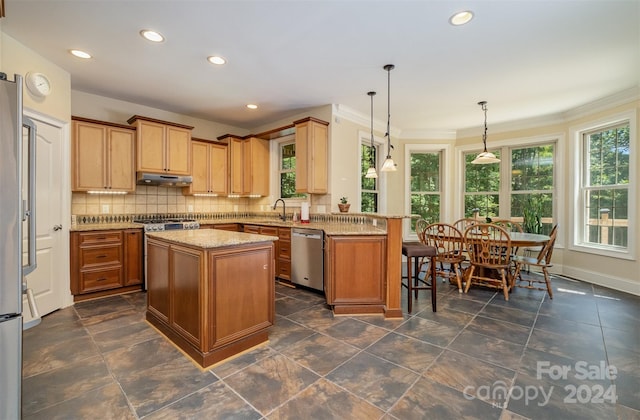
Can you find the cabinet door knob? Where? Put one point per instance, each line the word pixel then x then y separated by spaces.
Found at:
pixel 57 227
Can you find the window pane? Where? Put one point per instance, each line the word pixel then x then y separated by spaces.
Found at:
pixel 481 177
pixel 369 202
pixel 534 204
pixel 425 172
pixel 532 168
pixel 288 156
pixel 488 204
pixel 368 186
pixel 427 206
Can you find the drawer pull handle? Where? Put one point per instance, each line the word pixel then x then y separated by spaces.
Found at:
pixel 101 256
pixel 102 279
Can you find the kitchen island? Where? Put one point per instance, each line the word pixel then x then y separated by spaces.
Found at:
pixel 211 292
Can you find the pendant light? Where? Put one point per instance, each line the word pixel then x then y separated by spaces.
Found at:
pixel 371 172
pixel 485 157
pixel 388 164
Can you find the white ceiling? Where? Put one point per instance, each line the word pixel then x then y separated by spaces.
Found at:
pixel 526 58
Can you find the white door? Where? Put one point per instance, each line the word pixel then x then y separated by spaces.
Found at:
pixel 49 281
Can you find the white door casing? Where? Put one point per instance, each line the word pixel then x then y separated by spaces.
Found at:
pixel 50 280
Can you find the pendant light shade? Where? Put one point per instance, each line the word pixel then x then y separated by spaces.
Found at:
pixel 371 172
pixel 388 165
pixel 485 157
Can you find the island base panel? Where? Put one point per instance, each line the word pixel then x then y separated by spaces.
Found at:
pixel 215 356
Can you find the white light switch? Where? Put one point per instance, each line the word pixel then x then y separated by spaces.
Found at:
pixel 105 208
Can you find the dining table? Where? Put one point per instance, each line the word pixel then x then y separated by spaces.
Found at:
pixel 524 239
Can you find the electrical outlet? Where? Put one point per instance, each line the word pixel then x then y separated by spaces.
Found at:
pixel 374 222
pixel 235 208
pixel 190 208
pixel 105 208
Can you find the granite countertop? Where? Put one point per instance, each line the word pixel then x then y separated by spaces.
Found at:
pixel 210 238
pixel 104 226
pixel 328 227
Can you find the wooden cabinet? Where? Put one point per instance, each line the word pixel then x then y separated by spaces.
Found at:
pixel 102 156
pixel 231 227
pixel 212 303
pixel 283 262
pixel 355 272
pixel 248 165
pixel 162 147
pixel 312 156
pixel 282 247
pixel 132 241
pixel 105 262
pixel 209 168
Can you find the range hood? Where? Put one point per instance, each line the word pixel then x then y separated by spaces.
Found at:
pixel 163 180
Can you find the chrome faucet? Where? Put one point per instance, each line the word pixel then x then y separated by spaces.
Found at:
pixel 284 209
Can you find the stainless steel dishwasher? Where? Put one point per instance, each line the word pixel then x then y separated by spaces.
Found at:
pixel 307 258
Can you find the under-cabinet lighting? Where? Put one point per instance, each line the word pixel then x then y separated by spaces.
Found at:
pixel 110 192
pixel 252 106
pixel 205 195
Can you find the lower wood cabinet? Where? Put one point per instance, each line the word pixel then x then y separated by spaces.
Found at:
pixel 212 303
pixel 355 270
pixel 105 262
pixel 283 247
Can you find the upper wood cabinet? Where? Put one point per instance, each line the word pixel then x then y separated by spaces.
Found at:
pixel 209 168
pixel 162 147
pixel 102 156
pixel 312 154
pixel 248 165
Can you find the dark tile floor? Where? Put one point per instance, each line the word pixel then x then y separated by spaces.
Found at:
pixel 477 357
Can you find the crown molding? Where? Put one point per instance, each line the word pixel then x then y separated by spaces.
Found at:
pixel 350 114
pixel 590 108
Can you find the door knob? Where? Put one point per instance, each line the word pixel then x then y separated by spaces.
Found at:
pixel 57 227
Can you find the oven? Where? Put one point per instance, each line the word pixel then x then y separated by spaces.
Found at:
pixel 159 225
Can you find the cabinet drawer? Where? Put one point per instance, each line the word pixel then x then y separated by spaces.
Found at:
pixel 106 254
pixel 92 281
pixel 271 231
pixel 284 249
pixel 284 269
pixel 89 238
pixel 284 234
pixel 251 229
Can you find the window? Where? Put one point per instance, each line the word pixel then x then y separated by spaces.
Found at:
pixel 287 172
pixel 481 187
pixel 532 186
pixel 605 186
pixel 425 181
pixel 522 185
pixel 368 186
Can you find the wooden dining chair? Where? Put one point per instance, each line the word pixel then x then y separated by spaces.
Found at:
pixel 489 248
pixel 449 243
pixel 464 223
pixel 543 261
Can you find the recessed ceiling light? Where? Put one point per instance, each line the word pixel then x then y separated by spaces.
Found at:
pixel 80 53
pixel 152 36
pixel 216 59
pixel 461 18
pixel 252 106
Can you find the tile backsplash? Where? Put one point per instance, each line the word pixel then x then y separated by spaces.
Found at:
pixel 163 200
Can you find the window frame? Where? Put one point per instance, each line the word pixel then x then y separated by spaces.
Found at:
pixel 505 146
pixel 364 138
pixel 446 180
pixel 276 146
pixel 577 241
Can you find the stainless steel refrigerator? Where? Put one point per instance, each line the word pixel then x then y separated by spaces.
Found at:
pixel 17 237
